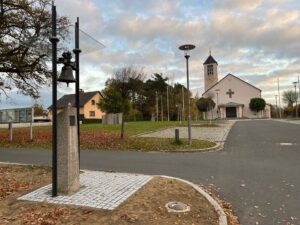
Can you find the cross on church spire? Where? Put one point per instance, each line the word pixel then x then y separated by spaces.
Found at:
pixel 230 93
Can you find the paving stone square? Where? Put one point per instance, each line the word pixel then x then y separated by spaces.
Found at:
pixel 101 190
pixel 218 134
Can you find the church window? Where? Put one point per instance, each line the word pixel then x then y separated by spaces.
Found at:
pixel 210 70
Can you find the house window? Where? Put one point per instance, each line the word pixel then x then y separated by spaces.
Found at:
pixel 93 102
pixel 210 70
pixel 92 113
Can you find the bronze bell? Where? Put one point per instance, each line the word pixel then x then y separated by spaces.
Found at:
pixel 66 75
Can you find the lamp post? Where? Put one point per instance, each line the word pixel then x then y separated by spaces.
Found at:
pixel 168 108
pixel 217 92
pixel 182 110
pixel 67 77
pixel 295 85
pixel 276 106
pixel 186 48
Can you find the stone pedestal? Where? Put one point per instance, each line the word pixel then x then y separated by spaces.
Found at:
pixel 67 152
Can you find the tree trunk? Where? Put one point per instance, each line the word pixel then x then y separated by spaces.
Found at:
pixel 122 127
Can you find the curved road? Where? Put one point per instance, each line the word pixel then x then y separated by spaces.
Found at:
pixel 254 172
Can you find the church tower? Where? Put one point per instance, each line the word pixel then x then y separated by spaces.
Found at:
pixel 210 72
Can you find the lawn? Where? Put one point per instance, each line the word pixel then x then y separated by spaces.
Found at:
pixel 107 137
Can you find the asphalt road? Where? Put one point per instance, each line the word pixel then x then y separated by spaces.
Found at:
pixel 257 175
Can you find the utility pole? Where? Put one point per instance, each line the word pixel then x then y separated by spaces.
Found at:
pixel 182 114
pixel 276 106
pixel 298 88
pixel 296 95
pixel 162 108
pixel 279 97
pixel 156 96
pixel 168 109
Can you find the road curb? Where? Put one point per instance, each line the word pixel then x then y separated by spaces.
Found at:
pixel 219 146
pixel 213 202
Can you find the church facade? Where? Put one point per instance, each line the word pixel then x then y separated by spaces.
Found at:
pixel 231 94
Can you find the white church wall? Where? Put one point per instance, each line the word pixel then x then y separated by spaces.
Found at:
pixel 243 92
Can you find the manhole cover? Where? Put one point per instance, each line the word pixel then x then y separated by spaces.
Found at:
pixel 177 207
pixel 286 144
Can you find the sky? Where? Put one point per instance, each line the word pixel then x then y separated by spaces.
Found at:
pixel 256 40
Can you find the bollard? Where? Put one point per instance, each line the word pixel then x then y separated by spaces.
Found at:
pixel 177 141
pixel 10 127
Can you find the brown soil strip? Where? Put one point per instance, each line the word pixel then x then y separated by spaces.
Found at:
pixel 147 206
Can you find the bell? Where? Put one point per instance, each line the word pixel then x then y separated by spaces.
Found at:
pixel 66 75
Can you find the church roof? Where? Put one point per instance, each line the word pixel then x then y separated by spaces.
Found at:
pixel 210 60
pixel 226 77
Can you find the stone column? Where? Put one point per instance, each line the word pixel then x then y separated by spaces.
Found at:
pixel 67 152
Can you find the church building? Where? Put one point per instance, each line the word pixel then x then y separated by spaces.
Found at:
pixel 231 94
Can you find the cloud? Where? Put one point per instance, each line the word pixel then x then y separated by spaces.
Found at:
pixel 253 39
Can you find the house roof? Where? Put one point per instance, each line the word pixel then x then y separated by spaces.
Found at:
pixel 231 104
pixel 83 99
pixel 225 78
pixel 210 60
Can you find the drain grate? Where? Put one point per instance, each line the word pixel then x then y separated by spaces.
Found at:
pixel 177 207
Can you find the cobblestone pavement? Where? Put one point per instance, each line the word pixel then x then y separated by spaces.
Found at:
pixel 218 134
pixel 101 190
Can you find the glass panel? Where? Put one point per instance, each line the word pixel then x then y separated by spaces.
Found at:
pixel 22 117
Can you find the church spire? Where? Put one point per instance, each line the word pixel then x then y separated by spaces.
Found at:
pixel 210 60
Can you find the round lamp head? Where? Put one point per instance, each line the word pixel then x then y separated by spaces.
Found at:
pixel 186 47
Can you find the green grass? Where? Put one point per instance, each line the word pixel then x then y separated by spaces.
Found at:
pixel 134 128
pixel 167 144
pixel 131 128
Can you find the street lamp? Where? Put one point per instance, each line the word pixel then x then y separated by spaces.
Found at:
pixel 295 85
pixel 186 48
pixel 67 77
pixel 276 105
pixel 217 91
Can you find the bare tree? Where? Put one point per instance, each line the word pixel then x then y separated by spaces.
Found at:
pixel 25 29
pixel 289 97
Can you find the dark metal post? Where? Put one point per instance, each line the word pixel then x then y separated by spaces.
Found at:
pixel 77 52
pixel 54 41
pixel 189 100
pixel 1 8
pixel 177 141
pixel 10 127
